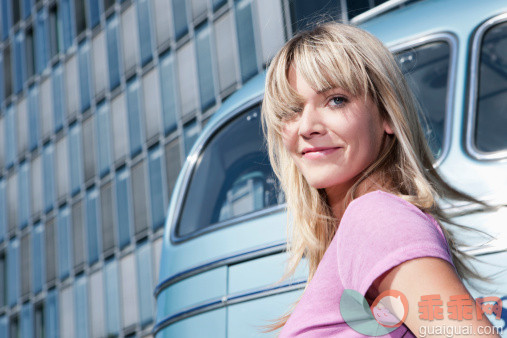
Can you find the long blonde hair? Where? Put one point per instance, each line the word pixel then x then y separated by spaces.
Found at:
pixel 339 55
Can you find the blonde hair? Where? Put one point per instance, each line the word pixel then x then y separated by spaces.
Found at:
pixel 339 55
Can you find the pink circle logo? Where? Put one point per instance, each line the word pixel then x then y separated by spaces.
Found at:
pixel 390 308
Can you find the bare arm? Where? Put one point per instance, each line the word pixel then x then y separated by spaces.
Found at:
pixel 429 276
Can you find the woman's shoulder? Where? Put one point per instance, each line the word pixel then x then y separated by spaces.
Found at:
pixel 380 209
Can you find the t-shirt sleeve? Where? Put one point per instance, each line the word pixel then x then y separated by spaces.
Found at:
pixel 379 231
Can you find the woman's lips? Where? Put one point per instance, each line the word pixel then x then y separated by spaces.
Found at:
pixel 316 154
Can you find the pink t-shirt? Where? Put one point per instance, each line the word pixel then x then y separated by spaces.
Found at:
pixel 378 231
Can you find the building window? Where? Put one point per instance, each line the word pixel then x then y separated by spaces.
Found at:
pixel 94 12
pixel 144 20
pixel 119 126
pixel 172 163
pixel 139 198
pixel 55 32
pixel 12 201
pixel 130 302
pixel 25 265
pixel 144 282
pixel 78 235
pixel 23 195
pixel 58 97
pixel 168 87
pixel 112 298
pixel 226 56
pixel 19 61
pixel 36 184
pixel 10 133
pixel 39 322
pixel 26 320
pixel 29 50
pixel 14 327
pixel 67 327
pixel 46 107
pixel 2 89
pixel 130 41
pixel 3 280
pixel 64 240
pixel 41 41
pixel 38 258
pixel 97 307
pixel 3 215
pixel 48 174
pixel 187 80
pixel 218 3
pixel 72 87
pixel 134 117
pixel 13 272
pixel 22 125
pixel 6 21
pixel 123 207
pixel 84 75
pixel 107 219
pixel 180 18
pixel 92 226
pixel 80 16
pixel 75 156
pixel 190 133
pixel 33 118
pixel 81 307
pixel 113 55
pixel 7 70
pixel 157 196
pixel 66 20
pixel 51 314
pixel 152 100
pixel 271 28
pixel 62 168
pixel 205 67
pixel 246 39
pixel 16 11
pixel 89 148
pixel 103 138
pixel 50 251
pixel 162 25
pixel 108 4
pixel 100 70
pixel 2 142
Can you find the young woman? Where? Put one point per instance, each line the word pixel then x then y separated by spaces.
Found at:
pixel 345 141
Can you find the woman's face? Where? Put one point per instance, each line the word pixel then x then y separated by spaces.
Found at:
pixel 335 135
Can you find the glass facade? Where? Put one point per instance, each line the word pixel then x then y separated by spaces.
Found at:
pixel 100 102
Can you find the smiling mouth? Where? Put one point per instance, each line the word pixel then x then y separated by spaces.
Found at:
pixel 318 153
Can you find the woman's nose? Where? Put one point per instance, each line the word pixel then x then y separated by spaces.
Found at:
pixel 310 123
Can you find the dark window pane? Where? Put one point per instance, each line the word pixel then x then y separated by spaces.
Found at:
pixel 123 207
pixel 94 12
pixel 27 7
pixel 14 328
pixel 168 88
pixel 64 238
pixel 6 20
pixel 38 255
pixel 2 80
pixel 3 280
pixel 13 281
pixel 78 235
pixel 134 117
pixel 7 71
pixel 3 213
pixel 491 120
pixel 12 201
pixel 107 221
pixel 246 40
pixel 356 7
pixel 139 197
pixel 89 148
pixel 50 251
pixel 48 174
pixel 113 55
pixel 144 20
pixel 66 20
pixel 235 173
pixel 29 47
pixel 41 40
pixel 180 18
pixel 84 75
pixel 157 196
pixel 426 69
pixel 16 10
pixel 19 61
pixel 92 226
pixel 26 320
pixel 205 68
pixel 55 38
pixel 25 267
pixel 80 16
pixel 218 3
pixel 172 163
pixel 33 117
pixel 39 322
pixel 23 195
pixel 103 138
pixel 108 4
pixel 58 96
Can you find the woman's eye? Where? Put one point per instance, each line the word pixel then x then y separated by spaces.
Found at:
pixel 338 101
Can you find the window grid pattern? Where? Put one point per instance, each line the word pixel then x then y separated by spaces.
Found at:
pixel 114 151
